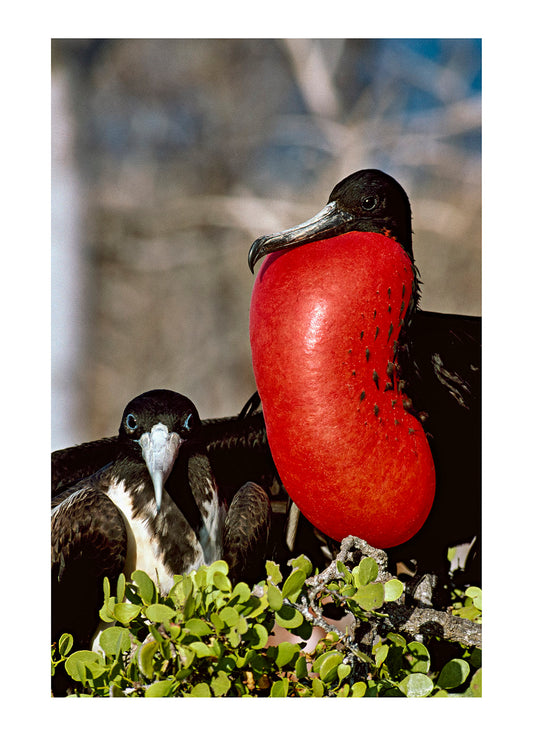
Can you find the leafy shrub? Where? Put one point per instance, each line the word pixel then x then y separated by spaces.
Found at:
pixel 209 638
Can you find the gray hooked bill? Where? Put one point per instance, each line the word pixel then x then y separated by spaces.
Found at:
pixel 160 449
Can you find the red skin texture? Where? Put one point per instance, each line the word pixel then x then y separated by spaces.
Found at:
pixel 353 465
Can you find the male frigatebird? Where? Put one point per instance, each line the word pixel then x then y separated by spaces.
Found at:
pixel 439 357
pixel 433 371
pixel 154 507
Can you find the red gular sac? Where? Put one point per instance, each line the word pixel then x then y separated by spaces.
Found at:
pixel 326 319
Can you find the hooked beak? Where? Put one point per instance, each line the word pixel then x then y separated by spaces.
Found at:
pixel 160 449
pixel 330 221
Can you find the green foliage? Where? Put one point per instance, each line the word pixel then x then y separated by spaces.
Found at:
pixel 209 638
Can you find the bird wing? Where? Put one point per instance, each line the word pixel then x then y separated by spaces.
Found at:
pixel 70 465
pixel 89 541
pixel 246 532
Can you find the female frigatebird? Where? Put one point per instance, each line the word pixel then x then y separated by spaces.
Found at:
pixel 345 360
pixel 154 507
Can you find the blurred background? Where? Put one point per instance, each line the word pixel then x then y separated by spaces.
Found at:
pixel 169 157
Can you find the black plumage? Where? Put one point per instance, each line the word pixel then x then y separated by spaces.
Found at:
pixel 439 356
pixel 153 506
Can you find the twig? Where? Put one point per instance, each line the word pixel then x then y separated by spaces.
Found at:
pixel 415 621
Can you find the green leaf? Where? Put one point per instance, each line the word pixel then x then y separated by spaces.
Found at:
pixel 393 590
pixel 474 592
pixel 420 661
pixel 146 658
pixel 125 613
pixel 397 639
pixel 300 667
pixel 285 653
pixel 107 611
pixel 159 688
pixel 347 574
pixel 273 572
pixel 257 636
pixel 475 683
pixel 293 585
pixel 115 640
pixel 343 671
pixel 219 566
pixel 453 674
pixel 201 650
pixel 370 596
pixel 241 591
pixel 83 660
pixel 221 581
pixel 201 690
pixel 121 587
pixel 197 627
pixel 318 687
pixel 255 606
pixel 416 685
pixel 367 571
pixel 221 684
pixel 280 688
pixel 217 622
pixel 381 654
pixel 229 615
pixel 234 637
pixel 289 617
pixel 158 613
pixel 359 689
pixel 328 668
pixel 275 597
pixel 303 563
pixel 64 644
pixel 185 655
pixel 145 585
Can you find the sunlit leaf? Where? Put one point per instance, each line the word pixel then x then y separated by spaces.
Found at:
pixel 293 585
pixel 416 685
pixel 393 590
pixel 453 674
pixel 159 688
pixel 370 596
pixel 367 572
pixel 159 613
pixel 145 585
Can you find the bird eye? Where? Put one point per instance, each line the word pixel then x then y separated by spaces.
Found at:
pixel 369 202
pixel 131 422
pixel 187 424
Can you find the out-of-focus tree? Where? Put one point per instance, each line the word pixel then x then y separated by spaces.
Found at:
pixel 172 156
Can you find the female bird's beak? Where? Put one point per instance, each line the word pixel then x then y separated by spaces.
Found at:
pixel 160 449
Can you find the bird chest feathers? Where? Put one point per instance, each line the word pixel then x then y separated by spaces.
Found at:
pixel 163 544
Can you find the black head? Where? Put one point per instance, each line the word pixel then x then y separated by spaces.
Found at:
pixel 175 411
pixel 377 203
pixel 368 200
pixel 154 427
